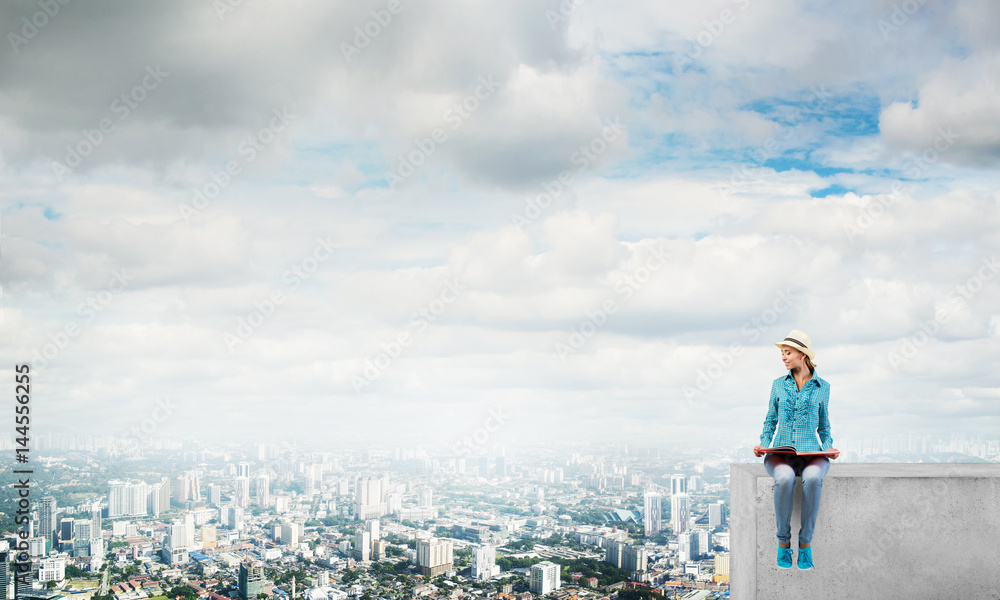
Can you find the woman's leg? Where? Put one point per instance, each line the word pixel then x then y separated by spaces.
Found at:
pixel 812 486
pixel 784 488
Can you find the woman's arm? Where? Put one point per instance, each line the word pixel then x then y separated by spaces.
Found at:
pixel 771 420
pixel 824 418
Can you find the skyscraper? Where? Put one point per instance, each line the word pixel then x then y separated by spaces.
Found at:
pixel 128 499
pixel 680 508
pixel 435 556
pixel 4 575
pixel 678 484
pixel 651 520
pixel 717 514
pixel 242 491
pixel 362 545
pixel 614 553
pixel 251 579
pixel 545 578
pixel 243 470
pixel 367 498
pixel 263 490
pixel 687 546
pixel 46 518
pixel 484 561
pixel 95 519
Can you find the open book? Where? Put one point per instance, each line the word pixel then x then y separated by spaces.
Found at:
pixel 792 450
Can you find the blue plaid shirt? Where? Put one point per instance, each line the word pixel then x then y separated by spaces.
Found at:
pixel 798 414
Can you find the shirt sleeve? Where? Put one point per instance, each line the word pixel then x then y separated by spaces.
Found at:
pixel 771 420
pixel 824 419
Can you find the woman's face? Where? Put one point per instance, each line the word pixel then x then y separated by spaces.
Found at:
pixel 793 358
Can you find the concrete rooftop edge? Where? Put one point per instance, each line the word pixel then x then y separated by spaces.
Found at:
pixel 890 469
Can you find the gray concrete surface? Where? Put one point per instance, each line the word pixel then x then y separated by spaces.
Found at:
pixel 885 530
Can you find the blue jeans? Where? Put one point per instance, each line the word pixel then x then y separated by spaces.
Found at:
pixel 784 468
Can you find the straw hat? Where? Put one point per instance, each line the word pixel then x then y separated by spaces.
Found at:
pixel 800 341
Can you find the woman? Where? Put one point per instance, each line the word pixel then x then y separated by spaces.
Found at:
pixel 799 408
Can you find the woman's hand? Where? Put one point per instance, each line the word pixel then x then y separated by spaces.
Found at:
pixel 757 451
pixel 835 456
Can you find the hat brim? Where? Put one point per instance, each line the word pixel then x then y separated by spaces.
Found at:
pixel 806 351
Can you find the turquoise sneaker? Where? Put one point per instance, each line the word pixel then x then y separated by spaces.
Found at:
pixel 784 557
pixel 805 558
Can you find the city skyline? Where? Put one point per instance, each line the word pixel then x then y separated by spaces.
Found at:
pixel 557 221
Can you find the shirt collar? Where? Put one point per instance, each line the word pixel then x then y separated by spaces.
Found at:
pixel 813 379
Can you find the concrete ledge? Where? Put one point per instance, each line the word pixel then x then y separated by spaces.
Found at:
pixel 887 531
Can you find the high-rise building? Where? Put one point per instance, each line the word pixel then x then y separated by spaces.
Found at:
pixel 372 527
pixel 694 483
pixel 501 466
pixel 704 541
pixel 636 559
pixel 678 484
pixel 46 518
pixel 484 562
pixel 95 519
pixel 66 534
pixel 4 575
pixel 362 545
pixel 251 579
pixel 687 546
pixel 545 578
pixel 614 553
pixel 242 491
pixel 189 527
pixel 232 517
pixel 722 563
pixel 651 519
pixel 435 556
pixel 680 509
pixel 368 498
pixel 717 514
pixel 52 569
pixel 426 498
pixel 290 534
pixel 215 494
pixel 128 499
pixel 263 490
pixel 243 470
pixel 182 489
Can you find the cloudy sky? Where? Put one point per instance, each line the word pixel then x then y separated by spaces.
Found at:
pixel 428 221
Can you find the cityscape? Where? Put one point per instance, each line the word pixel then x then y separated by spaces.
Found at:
pixel 114 520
